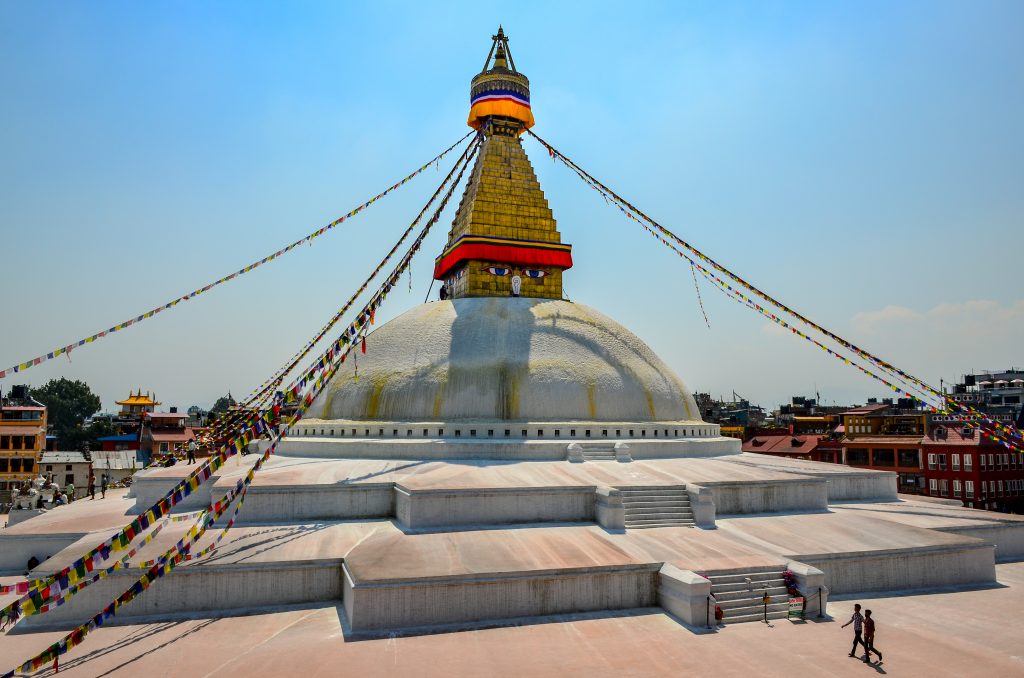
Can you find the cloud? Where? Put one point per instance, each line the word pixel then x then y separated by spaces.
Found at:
pixel 951 338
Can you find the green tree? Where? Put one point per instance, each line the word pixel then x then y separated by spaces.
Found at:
pixel 222 405
pixel 68 404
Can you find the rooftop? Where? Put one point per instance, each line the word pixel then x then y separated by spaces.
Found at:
pixel 61 457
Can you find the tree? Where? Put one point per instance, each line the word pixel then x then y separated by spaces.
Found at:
pixel 68 404
pixel 223 404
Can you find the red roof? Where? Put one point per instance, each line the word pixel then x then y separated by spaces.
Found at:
pixel 35 408
pixel 172 436
pixel 954 436
pixel 782 444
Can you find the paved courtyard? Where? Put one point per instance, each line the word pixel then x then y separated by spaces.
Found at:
pixel 942 633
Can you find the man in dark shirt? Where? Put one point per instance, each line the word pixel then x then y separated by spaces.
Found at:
pixel 869 638
pixel 857 620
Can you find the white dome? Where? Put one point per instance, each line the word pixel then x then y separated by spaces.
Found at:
pixel 517 359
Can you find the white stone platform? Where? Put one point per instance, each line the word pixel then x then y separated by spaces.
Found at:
pixel 414 544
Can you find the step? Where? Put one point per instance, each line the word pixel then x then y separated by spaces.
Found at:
pixel 754 603
pixel 726 596
pixel 651 488
pixel 654 508
pixel 740 577
pixel 646 526
pixel 752 586
pixel 658 521
pixel 656 499
pixel 664 491
pixel 740 619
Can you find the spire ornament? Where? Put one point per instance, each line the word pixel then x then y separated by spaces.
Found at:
pixel 499 96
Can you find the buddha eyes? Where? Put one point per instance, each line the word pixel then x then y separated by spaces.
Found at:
pixel 528 272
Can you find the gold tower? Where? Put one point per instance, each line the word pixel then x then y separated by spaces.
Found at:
pixel 503 240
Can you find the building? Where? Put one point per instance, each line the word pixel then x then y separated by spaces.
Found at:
pixel 811 447
pixel 123 441
pixel 963 464
pixel 887 436
pixel 163 432
pixel 998 394
pixel 118 465
pixel 22 437
pixel 67 467
pixel 132 409
pixel 737 417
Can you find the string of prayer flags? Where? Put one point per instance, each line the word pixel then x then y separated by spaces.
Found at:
pixel 57 352
pixel 694 255
pixel 279 375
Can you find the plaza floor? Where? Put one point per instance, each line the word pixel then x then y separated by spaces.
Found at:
pixel 941 633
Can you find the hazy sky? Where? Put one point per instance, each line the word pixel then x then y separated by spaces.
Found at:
pixel 862 161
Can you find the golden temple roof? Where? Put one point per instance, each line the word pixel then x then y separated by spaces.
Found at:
pixel 138 399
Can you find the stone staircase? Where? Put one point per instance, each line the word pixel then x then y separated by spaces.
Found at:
pixel 660 506
pixel 598 453
pixel 739 594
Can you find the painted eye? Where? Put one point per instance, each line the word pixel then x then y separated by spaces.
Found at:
pixel 535 273
pixel 498 270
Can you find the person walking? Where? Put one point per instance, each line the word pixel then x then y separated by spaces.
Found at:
pixel 92 485
pixel 103 486
pixel 869 638
pixel 70 489
pixel 192 451
pixel 858 621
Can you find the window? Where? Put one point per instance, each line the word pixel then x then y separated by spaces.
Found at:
pixel 15 465
pixel 967 462
pixel 933 486
pixel 931 461
pixel 944 487
pixel 5 442
pixel 956 488
pixel 969 488
pixel 883 457
pixel 4 465
pixel 910 458
pixel 69 479
pixel 942 462
pixel 991 487
pixel 1000 486
pixel 165 447
pixel 956 462
pixel 857 456
pixel 991 461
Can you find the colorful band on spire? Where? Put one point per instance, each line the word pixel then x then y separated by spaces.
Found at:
pixel 504 250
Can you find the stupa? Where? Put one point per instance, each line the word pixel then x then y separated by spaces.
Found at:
pixel 504 367
pixel 503 455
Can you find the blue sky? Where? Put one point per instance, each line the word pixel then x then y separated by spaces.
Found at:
pixel 861 161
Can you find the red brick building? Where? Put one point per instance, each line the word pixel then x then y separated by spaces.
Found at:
pixel 963 464
pixel 884 437
pixel 163 433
